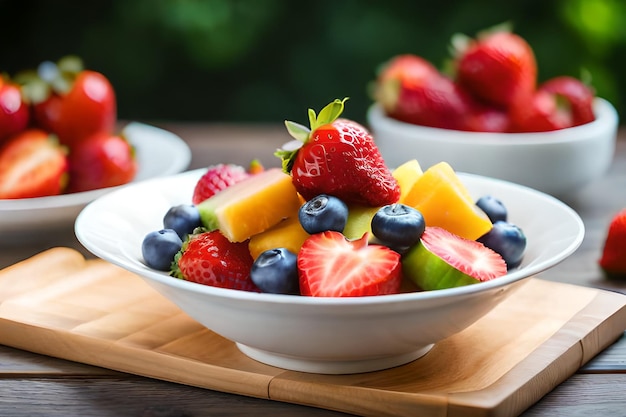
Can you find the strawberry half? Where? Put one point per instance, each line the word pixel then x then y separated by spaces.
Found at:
pixel 329 265
pixel 32 164
pixel 217 178
pixel 209 258
pixel 613 260
pixel 337 157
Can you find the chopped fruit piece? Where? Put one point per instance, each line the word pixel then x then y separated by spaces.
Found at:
pixel 287 234
pixel 32 164
pixel 444 201
pixel 337 157
pixel 215 179
pixel 613 260
pixel 444 260
pixel 255 167
pixel 406 175
pixel 209 258
pixel 359 221
pixel 251 206
pixel 323 212
pixel 330 265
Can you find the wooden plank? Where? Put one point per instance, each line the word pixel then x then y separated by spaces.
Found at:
pixel 102 315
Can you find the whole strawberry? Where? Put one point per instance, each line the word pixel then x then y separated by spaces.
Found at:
pixel 14 113
pixel 574 96
pixel 412 90
pixel 498 67
pixel 217 178
pixel 613 260
pixel 337 157
pixel 209 258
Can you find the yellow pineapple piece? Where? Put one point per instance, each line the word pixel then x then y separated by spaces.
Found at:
pixel 251 206
pixel 444 201
pixel 406 175
pixel 287 234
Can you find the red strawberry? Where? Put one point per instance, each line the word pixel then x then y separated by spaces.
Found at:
pixel 613 260
pixel 32 164
pixel 444 260
pixel 498 67
pixel 541 114
pixel 412 90
pixel 329 265
pixel 14 112
pixel 217 178
pixel 209 258
pixel 574 95
pixel 101 160
pixel 481 118
pixel 338 157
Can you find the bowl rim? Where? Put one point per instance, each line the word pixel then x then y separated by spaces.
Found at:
pixel 122 259
pixel 606 120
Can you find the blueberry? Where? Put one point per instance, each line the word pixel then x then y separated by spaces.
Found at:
pixel 323 212
pixel 183 218
pixel 398 225
pixel 493 208
pixel 276 271
pixel 159 248
pixel 508 240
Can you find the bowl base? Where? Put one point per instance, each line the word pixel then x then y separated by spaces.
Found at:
pixel 320 366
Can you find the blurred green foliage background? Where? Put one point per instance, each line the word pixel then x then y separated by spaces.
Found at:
pixel 270 60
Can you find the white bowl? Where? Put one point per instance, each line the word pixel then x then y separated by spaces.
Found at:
pixel 159 153
pixel 326 335
pixel 557 162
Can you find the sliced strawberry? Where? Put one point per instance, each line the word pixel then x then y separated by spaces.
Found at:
pixel 32 164
pixel 329 265
pixel 468 256
pixel 338 157
pixel 209 258
pixel 217 178
pixel 613 260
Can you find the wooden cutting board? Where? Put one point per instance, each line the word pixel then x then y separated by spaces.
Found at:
pixel 90 311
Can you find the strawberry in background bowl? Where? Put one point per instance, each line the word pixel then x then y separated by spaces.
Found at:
pixel 491 116
pixel 61 146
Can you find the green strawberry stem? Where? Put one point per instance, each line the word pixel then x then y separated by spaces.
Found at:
pixel 302 134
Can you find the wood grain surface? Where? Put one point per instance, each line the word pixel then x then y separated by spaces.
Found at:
pixel 59 304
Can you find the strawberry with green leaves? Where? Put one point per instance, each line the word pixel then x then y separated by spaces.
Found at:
pixel 209 258
pixel 329 265
pixel 337 156
pixel 613 259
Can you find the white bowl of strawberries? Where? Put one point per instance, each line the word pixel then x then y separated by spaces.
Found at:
pixel 334 263
pixel 491 116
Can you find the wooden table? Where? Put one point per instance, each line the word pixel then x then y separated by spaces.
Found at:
pixel 36 385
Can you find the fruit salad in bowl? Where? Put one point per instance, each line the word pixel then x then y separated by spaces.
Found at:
pixel 333 262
